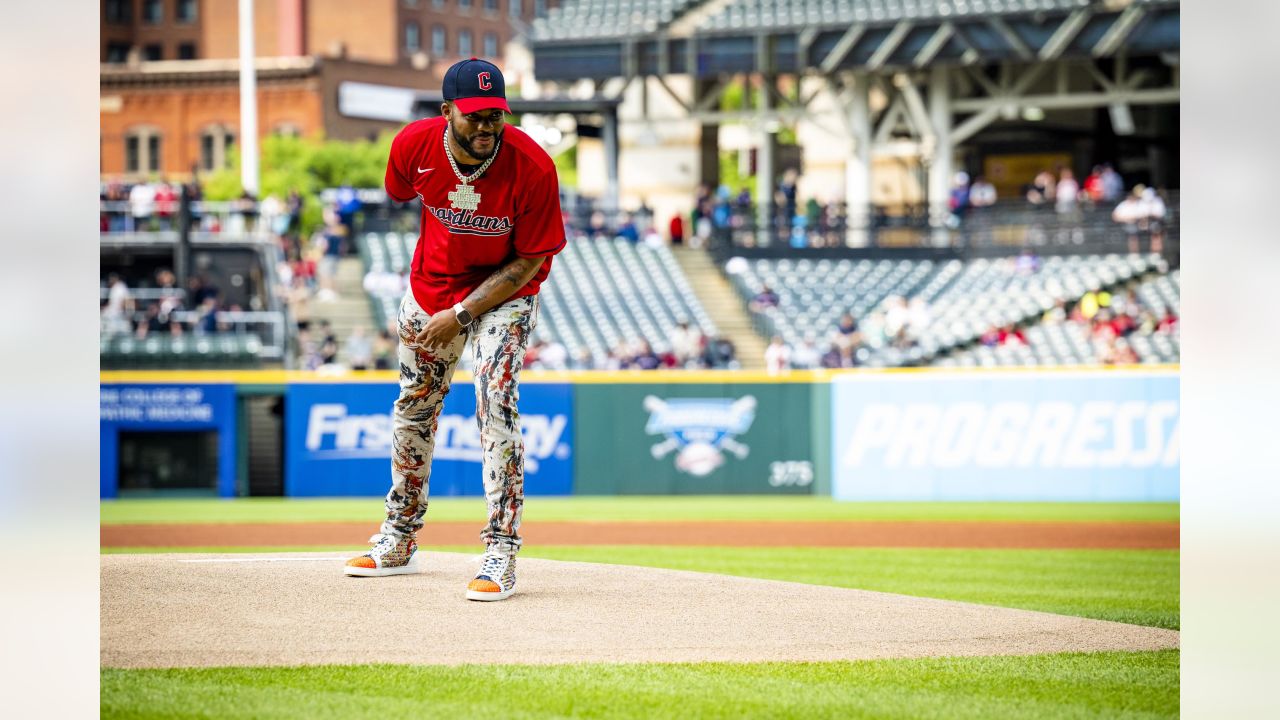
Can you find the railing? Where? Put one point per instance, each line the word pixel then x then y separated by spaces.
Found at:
pixel 268 326
pixel 1010 226
pixel 232 217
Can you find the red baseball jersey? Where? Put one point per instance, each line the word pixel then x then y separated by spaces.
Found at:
pixel 518 213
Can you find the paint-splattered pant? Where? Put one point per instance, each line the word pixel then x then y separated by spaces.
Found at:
pixel 498 341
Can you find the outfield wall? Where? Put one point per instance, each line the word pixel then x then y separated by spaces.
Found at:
pixel 859 435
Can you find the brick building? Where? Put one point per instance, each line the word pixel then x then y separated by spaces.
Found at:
pixel 170 84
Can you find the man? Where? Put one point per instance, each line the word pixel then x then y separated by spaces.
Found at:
pixel 490 224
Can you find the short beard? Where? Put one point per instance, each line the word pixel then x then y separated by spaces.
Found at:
pixel 464 142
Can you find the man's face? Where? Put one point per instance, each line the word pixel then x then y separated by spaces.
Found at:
pixel 477 133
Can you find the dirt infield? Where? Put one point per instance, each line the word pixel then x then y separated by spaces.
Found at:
pixel 934 534
pixel 185 610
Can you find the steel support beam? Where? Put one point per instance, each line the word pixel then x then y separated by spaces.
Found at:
pixel 934 44
pixel 940 164
pixel 1065 33
pixel 1155 96
pixel 764 171
pixel 1119 31
pixel 857 187
pixel 842 48
pixel 891 43
pixel 1010 36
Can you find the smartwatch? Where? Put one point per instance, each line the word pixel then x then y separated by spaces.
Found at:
pixel 464 317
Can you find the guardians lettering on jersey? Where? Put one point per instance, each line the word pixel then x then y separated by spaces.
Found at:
pixel 467 222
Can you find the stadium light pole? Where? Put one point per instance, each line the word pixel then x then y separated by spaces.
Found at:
pixel 248 103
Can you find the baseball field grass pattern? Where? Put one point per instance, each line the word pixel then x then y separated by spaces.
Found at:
pixel 1136 586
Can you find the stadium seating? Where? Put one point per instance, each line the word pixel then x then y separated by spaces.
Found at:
pixel 124 352
pixel 964 300
pixel 1069 344
pixel 749 14
pixel 601 293
pixel 601 19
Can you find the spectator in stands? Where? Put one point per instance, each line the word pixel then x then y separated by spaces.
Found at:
pixel 1027 263
pixel 686 343
pixel 806 355
pixel 787 191
pixel 347 204
pixel 918 316
pixel 764 299
pixel 1092 190
pixel 982 193
pixel 627 230
pixel 1067 193
pixel 166 204
pixel 293 208
pixel 167 283
pixel 1129 214
pixel 142 205
pixel 840 356
pixel 308 350
pixel 150 322
pixel 644 358
pixel 958 198
pixel 846 334
pixel 384 351
pixel 1151 213
pixel 675 231
pixel 331 240
pixel 584 360
pixel 720 353
pixel 272 215
pixel 359 349
pixel 120 306
pixel 777 356
pixel 1042 188
pixel 1112 184
pixel 1168 323
pixel 207 321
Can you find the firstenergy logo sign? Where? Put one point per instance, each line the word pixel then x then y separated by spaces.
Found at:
pixel 333 434
pixel 1091 434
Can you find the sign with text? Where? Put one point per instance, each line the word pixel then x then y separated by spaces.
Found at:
pixel 1006 436
pixel 166 408
pixel 338 440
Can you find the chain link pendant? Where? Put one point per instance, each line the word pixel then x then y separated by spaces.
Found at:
pixel 464 197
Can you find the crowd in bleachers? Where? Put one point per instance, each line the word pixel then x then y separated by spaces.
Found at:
pixel 884 313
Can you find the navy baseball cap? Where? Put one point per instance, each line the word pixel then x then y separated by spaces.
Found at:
pixel 474 85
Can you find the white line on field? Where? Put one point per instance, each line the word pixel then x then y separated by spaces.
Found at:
pixel 257 559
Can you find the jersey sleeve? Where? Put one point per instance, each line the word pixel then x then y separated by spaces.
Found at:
pixel 539 227
pixel 398 187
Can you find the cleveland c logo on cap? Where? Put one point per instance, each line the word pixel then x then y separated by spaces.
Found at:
pixel 483 78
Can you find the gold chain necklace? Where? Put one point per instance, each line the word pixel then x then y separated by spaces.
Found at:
pixel 465 197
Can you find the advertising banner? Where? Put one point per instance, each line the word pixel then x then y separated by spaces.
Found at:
pixel 1085 436
pixel 166 408
pixel 694 438
pixel 338 440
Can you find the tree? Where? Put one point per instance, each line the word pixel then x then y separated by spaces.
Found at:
pixel 307 165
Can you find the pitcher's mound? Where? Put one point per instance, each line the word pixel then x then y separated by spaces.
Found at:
pixel 298 609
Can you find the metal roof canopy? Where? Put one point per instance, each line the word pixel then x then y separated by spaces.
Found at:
pixel 1151 27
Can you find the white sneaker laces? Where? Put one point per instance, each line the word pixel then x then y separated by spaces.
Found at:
pixel 383 542
pixel 493 565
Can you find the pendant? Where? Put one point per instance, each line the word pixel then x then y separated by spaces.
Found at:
pixel 464 197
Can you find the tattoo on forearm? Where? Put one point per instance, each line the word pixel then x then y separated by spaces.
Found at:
pixel 502 284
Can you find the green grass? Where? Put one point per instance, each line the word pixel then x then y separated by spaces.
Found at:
pixel 1132 586
pixel 1101 685
pixel 700 507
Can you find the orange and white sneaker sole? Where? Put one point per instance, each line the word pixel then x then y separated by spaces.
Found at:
pixel 410 568
pixel 488 595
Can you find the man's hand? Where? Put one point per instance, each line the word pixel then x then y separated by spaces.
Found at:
pixel 440 330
